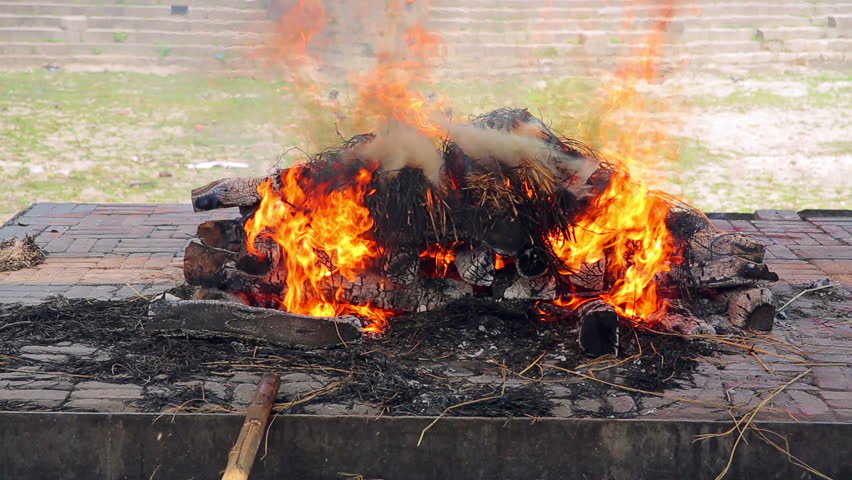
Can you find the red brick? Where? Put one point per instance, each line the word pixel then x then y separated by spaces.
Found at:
pixel 809 252
pixel 780 251
pixel 825 239
pixel 838 399
pixel 833 266
pixel 81 245
pixel 834 378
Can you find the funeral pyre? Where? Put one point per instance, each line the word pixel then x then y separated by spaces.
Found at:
pixel 503 208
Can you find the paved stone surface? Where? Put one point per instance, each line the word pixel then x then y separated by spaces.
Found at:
pixel 119 251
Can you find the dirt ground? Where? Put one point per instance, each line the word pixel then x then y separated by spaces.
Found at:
pixel 743 142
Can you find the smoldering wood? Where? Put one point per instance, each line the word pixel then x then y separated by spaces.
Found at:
pixel 598 330
pixel 751 309
pixel 402 267
pixel 216 268
pixel 223 234
pixel 537 288
pixel 228 192
pixel 212 318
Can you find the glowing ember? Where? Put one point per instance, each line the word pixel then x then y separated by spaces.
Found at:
pixel 323 231
pixel 442 256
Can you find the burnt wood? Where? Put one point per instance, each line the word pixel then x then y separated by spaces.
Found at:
pixel 752 309
pixel 598 328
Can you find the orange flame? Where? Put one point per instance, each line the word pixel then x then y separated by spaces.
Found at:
pixel 389 92
pixel 322 231
pixel 626 226
pixel 443 256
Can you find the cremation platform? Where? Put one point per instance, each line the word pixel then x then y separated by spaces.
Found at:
pixel 97 395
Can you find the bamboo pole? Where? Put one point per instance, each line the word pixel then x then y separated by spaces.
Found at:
pixel 241 456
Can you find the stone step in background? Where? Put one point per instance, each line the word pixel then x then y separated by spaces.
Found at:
pixel 509 36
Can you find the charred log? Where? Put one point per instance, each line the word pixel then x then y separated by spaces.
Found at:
pixel 598 328
pixel 202 264
pixel 532 262
pixel 752 309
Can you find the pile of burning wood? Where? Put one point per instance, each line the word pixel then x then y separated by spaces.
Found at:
pixel 504 208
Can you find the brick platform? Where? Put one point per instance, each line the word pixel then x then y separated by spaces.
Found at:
pixel 102 251
pixel 115 251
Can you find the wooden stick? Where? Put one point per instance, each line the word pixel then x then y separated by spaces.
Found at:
pixel 241 457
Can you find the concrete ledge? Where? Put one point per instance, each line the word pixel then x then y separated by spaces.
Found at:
pixel 134 446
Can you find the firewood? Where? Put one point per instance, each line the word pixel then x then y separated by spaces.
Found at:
pixel 598 328
pixel 476 266
pixel 202 264
pixel 227 192
pixel 242 455
pixel 725 272
pixel 224 234
pixel 709 245
pixel 212 318
pixel 752 309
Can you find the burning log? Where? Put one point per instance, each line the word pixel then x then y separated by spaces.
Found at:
pixel 211 318
pixel 598 328
pixel 752 309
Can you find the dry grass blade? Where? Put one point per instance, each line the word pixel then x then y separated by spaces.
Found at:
pixel 20 253
pixel 786 451
pixel 743 424
pixel 458 405
pixel 307 397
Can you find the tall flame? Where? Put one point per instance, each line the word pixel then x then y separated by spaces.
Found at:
pixel 323 231
pixel 626 225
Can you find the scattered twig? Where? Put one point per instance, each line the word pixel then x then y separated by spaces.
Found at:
pixel 803 292
pixel 13 324
pixel 469 402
